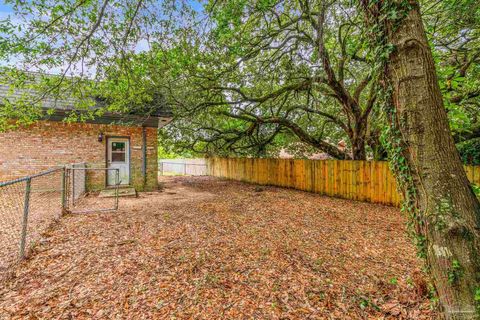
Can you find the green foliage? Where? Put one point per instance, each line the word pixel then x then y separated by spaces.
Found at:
pixel 477 298
pixel 453 27
pixel 455 272
pixel 432 295
pixel 260 73
pixel 383 17
pixel 470 151
pixel 164 154
pixel 476 190
pixel 93 48
pixel 228 70
pixel 167 149
pixel 367 303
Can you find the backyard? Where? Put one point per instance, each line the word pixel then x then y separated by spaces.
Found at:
pixel 208 248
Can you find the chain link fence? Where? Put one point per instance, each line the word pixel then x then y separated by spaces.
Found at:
pixel 183 167
pixel 87 191
pixel 30 205
pixel 77 182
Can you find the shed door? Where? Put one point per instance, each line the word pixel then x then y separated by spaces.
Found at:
pixel 118 153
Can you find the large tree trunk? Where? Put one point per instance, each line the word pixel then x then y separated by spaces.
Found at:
pixel 378 151
pixel 359 139
pixel 449 211
pixel 358 148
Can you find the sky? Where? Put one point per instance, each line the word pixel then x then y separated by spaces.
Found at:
pixel 6 10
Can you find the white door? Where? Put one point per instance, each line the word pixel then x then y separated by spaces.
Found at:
pixel 118 153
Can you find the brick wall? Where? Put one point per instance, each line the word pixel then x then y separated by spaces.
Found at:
pixel 47 143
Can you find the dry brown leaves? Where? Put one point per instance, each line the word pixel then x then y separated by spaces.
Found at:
pixel 207 249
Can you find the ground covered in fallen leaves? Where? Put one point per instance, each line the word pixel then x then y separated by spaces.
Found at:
pixel 206 248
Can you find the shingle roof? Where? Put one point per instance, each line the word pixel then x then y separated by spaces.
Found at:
pixel 63 106
pixel 47 101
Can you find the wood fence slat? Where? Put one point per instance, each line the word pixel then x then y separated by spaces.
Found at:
pixel 477 176
pixel 320 177
pixel 330 178
pixel 360 181
pixel 355 167
pixel 370 181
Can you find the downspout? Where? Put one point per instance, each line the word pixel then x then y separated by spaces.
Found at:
pixel 144 156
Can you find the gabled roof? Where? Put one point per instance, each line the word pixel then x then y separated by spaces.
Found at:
pixel 155 114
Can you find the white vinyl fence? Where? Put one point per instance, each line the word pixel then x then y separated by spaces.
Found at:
pixel 186 167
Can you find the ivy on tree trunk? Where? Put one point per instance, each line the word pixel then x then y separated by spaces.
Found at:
pixel 445 211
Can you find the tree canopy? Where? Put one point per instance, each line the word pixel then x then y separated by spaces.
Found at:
pixel 242 77
pixel 252 77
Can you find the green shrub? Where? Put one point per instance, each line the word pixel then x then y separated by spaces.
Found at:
pixel 470 151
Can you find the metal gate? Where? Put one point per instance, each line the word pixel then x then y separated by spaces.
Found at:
pixel 81 194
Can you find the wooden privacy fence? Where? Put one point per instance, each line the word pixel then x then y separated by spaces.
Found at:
pixel 369 181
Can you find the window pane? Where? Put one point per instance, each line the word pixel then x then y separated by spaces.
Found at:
pixel 118 146
pixel 118 156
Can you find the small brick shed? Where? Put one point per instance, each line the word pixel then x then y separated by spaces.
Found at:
pixel 131 147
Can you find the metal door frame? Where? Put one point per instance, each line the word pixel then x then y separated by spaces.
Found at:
pixel 129 154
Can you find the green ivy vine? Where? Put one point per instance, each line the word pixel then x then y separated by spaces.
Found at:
pixel 388 16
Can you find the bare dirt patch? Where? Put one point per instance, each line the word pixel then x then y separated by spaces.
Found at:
pixel 207 248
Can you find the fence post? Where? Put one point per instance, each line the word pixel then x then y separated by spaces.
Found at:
pixel 184 168
pixel 72 172
pixel 63 188
pixel 85 177
pixel 26 206
pixel 117 183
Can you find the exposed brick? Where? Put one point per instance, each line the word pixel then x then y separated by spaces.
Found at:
pixel 46 144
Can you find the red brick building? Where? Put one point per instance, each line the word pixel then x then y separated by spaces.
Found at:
pixel 131 147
